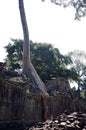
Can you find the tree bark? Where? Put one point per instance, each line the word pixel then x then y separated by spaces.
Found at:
pixel 28 68
pixel 26 45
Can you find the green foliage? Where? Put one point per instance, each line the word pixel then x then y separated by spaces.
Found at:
pixel 47 60
pixel 79 6
pixel 14 54
pixel 79 64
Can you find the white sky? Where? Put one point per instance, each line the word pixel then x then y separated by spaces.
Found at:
pixel 47 23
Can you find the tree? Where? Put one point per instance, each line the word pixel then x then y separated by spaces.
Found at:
pixel 28 69
pixel 47 60
pixel 79 63
pixel 14 54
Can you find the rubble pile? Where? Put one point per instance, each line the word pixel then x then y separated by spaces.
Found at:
pixel 74 121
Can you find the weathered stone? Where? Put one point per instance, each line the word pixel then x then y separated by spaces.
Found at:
pixel 56 121
pixel 64 125
pixel 68 122
pixel 70 127
pixel 58 85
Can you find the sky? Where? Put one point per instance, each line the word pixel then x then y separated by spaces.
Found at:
pixel 47 22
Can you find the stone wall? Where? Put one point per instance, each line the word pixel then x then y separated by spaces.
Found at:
pixel 57 105
pixel 58 85
pixel 18 104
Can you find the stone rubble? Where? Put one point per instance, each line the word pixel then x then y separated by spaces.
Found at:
pixel 74 121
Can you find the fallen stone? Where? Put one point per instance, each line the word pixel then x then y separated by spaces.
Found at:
pixel 74 121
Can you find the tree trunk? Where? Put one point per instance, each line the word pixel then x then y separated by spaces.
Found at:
pixel 85 94
pixel 28 68
pixel 26 45
pixel 78 89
